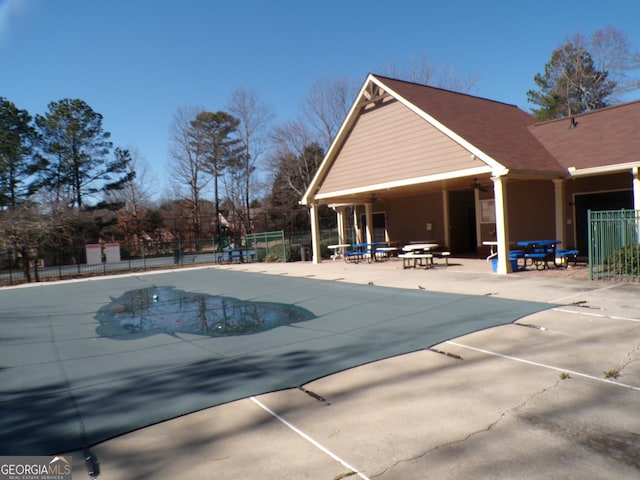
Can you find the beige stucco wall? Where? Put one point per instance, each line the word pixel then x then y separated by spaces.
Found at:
pixel 392 143
pixel 600 183
pixel 531 210
pixel 407 218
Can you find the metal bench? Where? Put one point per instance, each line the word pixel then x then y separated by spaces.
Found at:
pixel 538 259
pixel 444 255
pixel 353 256
pixel 566 255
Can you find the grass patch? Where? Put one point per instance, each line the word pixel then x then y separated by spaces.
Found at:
pixel 344 475
pixel 611 373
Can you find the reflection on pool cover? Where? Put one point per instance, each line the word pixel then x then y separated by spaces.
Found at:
pixel 148 311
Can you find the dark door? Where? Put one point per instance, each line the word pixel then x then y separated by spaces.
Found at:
pixel 596 202
pixel 379 226
pixel 462 222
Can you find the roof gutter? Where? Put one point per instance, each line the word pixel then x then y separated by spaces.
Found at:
pixel 619 167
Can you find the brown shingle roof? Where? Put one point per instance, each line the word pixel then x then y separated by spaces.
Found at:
pixel 498 129
pixel 605 137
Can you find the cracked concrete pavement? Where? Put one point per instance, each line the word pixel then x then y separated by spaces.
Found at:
pixel 523 401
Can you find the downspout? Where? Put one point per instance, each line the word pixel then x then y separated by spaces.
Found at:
pixel 635 172
pixel 636 195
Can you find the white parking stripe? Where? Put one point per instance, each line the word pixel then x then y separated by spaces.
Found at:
pixel 586 292
pixel 599 315
pixel 308 438
pixel 537 364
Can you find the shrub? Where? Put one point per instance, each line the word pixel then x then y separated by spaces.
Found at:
pixel 271 258
pixel 624 261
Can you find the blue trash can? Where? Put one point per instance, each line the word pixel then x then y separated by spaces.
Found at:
pixel 494 264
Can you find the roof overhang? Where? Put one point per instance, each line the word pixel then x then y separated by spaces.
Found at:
pixel 493 164
pixel 603 170
pixel 373 91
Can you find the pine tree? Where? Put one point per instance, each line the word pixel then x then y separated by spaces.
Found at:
pixel 570 85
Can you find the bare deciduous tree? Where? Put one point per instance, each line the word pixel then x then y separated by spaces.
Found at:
pixel 610 50
pixel 135 196
pixel 420 70
pixel 254 117
pixel 24 230
pixel 189 161
pixel 326 107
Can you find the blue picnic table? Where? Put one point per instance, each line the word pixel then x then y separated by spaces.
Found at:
pixel 238 254
pixel 361 251
pixel 543 253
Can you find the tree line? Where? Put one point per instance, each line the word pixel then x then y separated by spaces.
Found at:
pixel 64 184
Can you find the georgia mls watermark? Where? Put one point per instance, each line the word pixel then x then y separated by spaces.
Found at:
pixel 35 468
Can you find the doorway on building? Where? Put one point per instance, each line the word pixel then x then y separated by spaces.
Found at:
pixel 379 226
pixel 596 202
pixel 462 222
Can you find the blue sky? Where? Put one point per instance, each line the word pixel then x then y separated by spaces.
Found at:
pixel 137 61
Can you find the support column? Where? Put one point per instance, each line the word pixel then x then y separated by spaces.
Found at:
pixel 445 218
pixel 502 224
pixel 560 210
pixel 315 233
pixel 341 224
pixel 356 226
pixel 478 207
pixel 368 211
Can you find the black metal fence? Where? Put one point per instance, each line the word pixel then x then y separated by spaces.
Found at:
pixel 144 256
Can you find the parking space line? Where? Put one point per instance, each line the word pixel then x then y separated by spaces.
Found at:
pixel 308 438
pixel 538 364
pixel 586 292
pixel 599 315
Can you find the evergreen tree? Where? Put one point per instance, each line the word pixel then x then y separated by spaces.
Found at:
pixel 77 148
pixel 570 85
pixel 18 161
pixel 221 148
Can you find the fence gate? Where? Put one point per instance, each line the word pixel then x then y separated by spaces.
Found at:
pixel 614 248
pixel 269 246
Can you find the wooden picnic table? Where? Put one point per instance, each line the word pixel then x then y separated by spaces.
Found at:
pixel 418 254
pixel 420 246
pixel 490 244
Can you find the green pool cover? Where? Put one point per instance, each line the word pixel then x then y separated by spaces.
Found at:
pixel 85 361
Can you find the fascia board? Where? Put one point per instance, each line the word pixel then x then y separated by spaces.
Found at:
pixel 329 156
pixel 407 182
pixel 495 165
pixel 606 169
